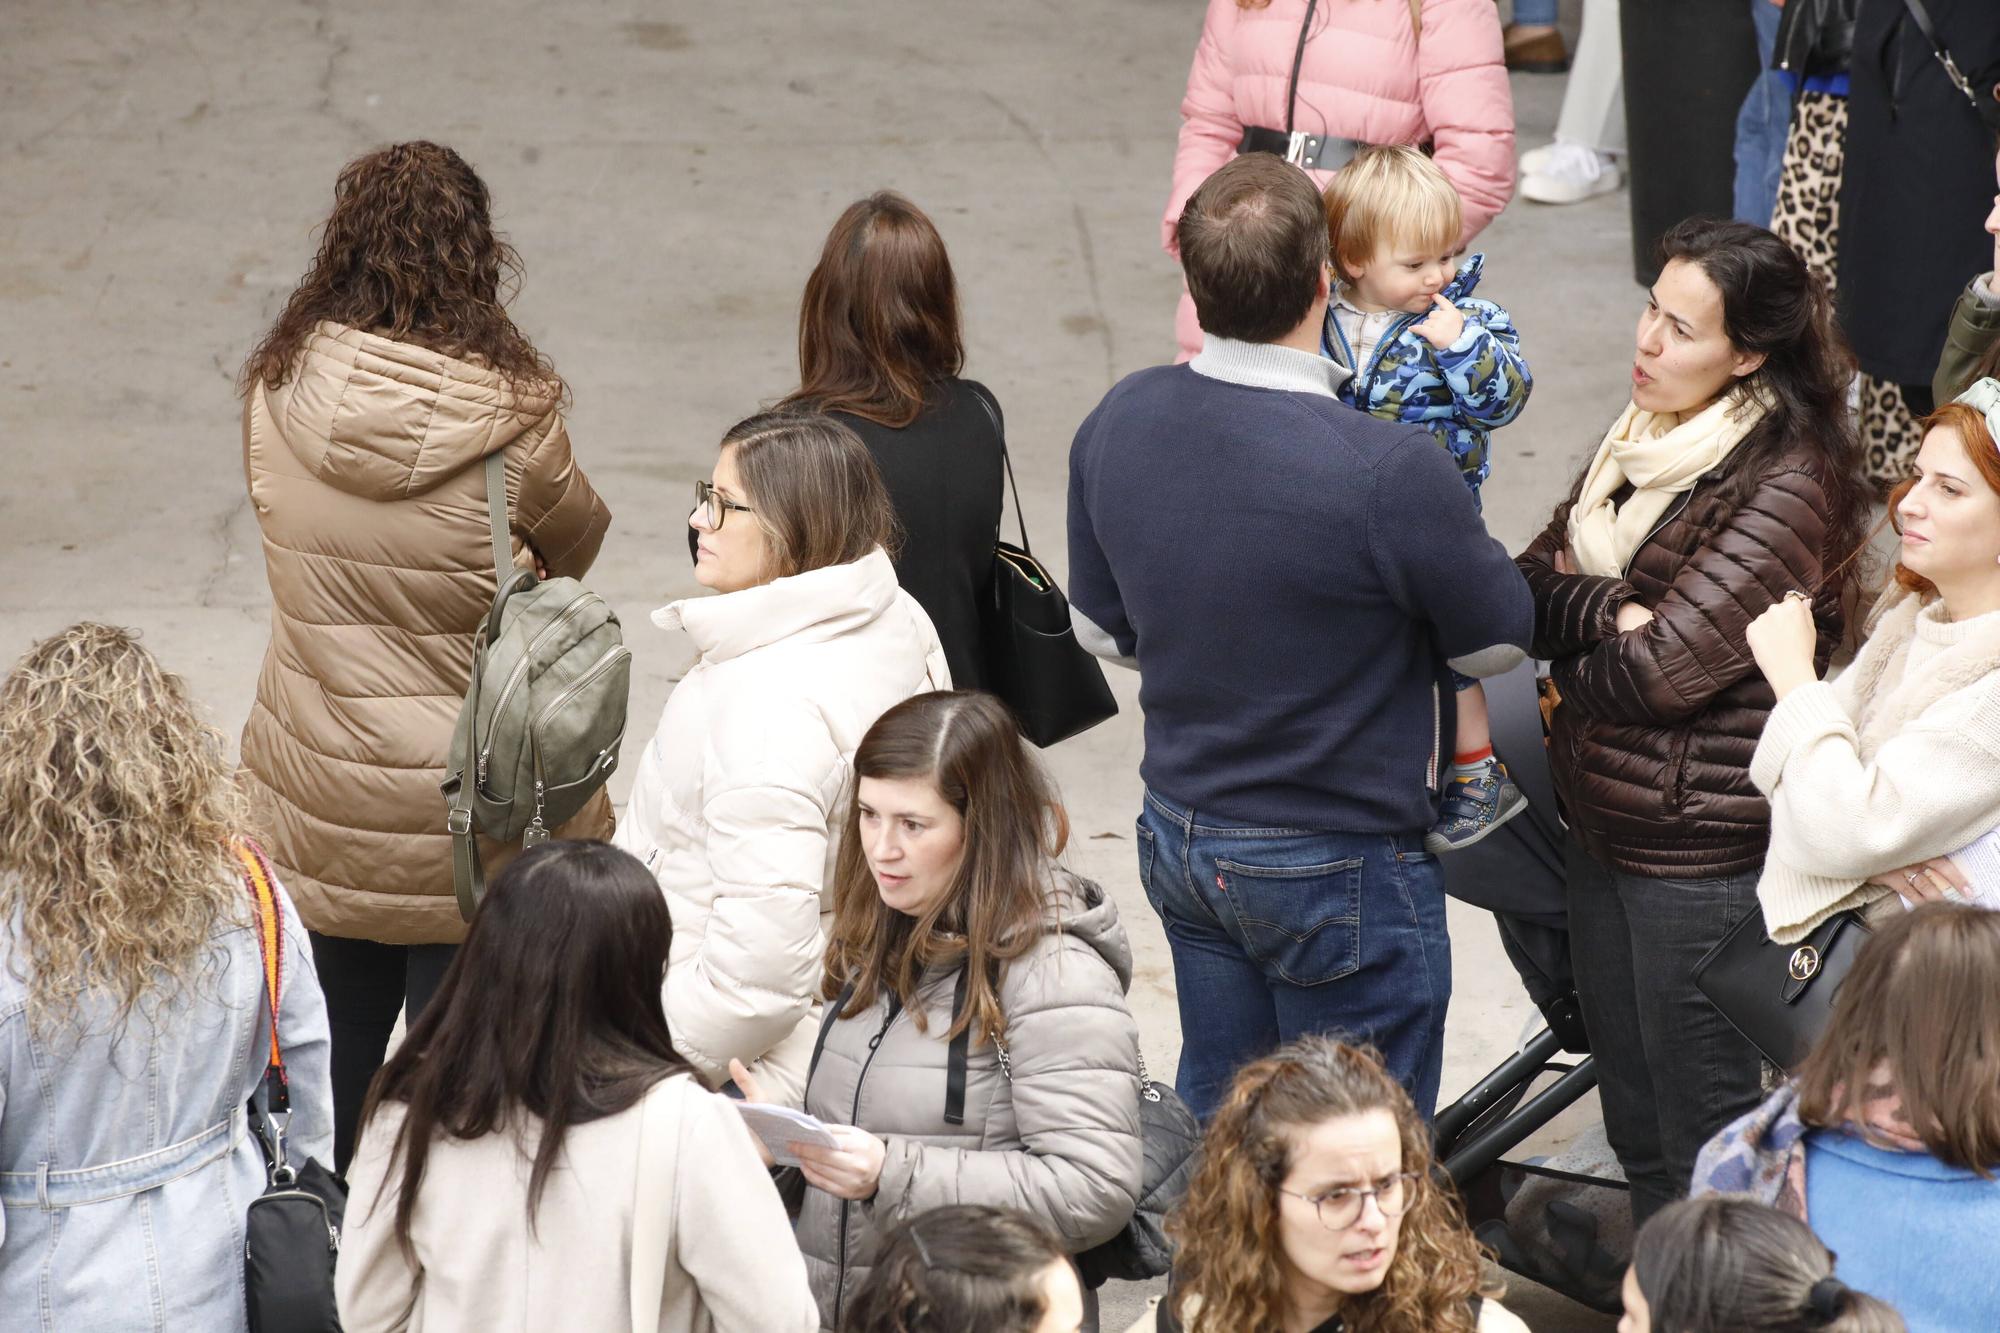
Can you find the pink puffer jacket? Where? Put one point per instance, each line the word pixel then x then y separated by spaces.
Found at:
pixel 1366 76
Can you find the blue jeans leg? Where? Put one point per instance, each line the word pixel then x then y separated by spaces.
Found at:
pixel 1534 13
pixel 1277 933
pixel 1762 125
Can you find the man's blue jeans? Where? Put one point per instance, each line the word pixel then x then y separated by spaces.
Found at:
pixel 1281 932
pixel 1762 125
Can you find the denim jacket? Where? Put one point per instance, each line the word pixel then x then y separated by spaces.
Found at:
pixel 1458 393
pixel 125 1164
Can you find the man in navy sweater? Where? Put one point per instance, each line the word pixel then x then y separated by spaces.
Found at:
pixel 1291 578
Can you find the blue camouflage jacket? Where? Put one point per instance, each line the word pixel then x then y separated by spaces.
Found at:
pixel 1459 393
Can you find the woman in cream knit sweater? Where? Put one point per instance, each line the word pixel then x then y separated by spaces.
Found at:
pixel 1886 780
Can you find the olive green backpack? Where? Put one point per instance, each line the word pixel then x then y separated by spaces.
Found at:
pixel 541 723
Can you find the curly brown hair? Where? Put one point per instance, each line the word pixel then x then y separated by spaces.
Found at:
pixel 1228 1271
pixel 117 814
pixel 409 253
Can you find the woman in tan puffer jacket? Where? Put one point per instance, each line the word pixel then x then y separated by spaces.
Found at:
pixel 368 410
pixel 959 945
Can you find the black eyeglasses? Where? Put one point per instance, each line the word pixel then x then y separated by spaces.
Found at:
pixel 714 506
pixel 1340 1208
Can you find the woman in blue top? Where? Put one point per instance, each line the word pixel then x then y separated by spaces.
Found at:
pixel 1887 1140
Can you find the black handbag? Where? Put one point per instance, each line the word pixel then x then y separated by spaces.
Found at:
pixel 1032 659
pixel 1815 37
pixel 291 1235
pixel 1780 996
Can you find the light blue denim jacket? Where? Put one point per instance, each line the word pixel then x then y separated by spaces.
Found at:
pixel 125 1164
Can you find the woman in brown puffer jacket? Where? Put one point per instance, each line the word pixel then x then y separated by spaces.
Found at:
pixel 983 1051
pixel 1731 480
pixel 368 410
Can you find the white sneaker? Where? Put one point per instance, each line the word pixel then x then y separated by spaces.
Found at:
pixel 1535 159
pixel 1570 174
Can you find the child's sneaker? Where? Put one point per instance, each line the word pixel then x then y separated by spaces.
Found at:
pixel 1473 808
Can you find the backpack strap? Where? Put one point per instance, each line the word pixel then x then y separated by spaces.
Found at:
pixel 496 515
pixel 956 1058
pixel 826 1023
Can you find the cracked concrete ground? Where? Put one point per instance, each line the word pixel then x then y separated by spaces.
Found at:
pixel 668 173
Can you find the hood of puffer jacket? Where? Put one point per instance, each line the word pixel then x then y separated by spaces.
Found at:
pixel 1467 277
pixel 387 420
pixel 1081 909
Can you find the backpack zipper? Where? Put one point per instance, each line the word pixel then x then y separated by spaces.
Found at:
pixel 537 831
pixel 853 1115
pixel 520 671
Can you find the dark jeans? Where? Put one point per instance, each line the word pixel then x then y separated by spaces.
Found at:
pixel 1281 932
pixel 367 984
pixel 1671 1071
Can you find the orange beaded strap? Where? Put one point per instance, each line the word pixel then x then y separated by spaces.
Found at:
pixel 270 944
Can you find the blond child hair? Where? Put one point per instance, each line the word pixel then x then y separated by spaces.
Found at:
pixel 1389 193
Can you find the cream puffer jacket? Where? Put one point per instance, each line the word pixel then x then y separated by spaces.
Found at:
pixel 1058 1138
pixel 365 470
pixel 740 797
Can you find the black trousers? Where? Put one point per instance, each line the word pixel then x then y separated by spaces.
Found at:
pixel 367 984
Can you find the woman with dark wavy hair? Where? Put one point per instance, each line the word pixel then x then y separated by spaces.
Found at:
pixel 1732 478
pixel 880 351
pixel 1315 1210
pixel 369 408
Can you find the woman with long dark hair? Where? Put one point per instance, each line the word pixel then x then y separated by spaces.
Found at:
pixel 880 350
pixel 536 1155
pixel 1732 478
pixel 1316 1209
pixel 979 1049
pixel 369 408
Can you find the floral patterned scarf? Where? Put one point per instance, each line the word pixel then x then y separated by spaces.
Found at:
pixel 1763 1154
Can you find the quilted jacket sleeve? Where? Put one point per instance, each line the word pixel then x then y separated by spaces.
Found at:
pixel 1573 612
pixel 1468 104
pixel 1210 129
pixel 1488 376
pixel 557 512
pixel 1695 647
pixel 754 976
pixel 1075 1055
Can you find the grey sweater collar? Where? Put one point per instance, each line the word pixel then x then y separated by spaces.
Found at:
pixel 1268 366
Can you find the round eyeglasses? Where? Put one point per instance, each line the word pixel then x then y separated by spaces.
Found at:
pixel 714 506
pixel 1341 1208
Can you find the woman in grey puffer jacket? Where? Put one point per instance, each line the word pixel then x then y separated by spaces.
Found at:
pixel 954 928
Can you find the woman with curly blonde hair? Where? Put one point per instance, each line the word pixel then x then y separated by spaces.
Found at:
pixel 1315 1210
pixel 133 1023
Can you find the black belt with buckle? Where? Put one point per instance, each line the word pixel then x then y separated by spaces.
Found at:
pixel 1314 152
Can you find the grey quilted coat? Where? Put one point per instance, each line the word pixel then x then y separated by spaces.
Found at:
pixel 1058 1140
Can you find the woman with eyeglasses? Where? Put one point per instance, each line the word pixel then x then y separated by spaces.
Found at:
pixel 1315 1210
pixel 739 798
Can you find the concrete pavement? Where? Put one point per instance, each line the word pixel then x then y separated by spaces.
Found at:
pixel 667 172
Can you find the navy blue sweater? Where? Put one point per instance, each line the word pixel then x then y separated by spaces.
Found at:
pixel 1290 574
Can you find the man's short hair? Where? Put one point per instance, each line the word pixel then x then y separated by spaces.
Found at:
pixel 1253 246
pixel 1390 195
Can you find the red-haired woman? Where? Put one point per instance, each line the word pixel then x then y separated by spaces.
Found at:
pixel 880 350
pixel 983 1052
pixel 1315 1210
pixel 368 411
pixel 1879 777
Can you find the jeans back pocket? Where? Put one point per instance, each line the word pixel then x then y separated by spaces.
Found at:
pixel 1301 922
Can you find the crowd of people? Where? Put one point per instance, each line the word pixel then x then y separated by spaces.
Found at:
pixel 836 898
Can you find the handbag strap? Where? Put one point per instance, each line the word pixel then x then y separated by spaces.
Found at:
pixel 958 1056
pixel 999 433
pixel 276 1086
pixel 1922 16
pixel 1298 61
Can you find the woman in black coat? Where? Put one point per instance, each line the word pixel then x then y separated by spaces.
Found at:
pixel 879 348
pixel 1918 179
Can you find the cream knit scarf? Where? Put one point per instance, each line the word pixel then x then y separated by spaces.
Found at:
pixel 1661 455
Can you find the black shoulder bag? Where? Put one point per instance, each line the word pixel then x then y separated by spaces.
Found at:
pixel 291 1236
pixel 1780 996
pixel 1032 659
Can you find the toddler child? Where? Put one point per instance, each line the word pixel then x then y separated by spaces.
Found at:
pixel 1424 350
